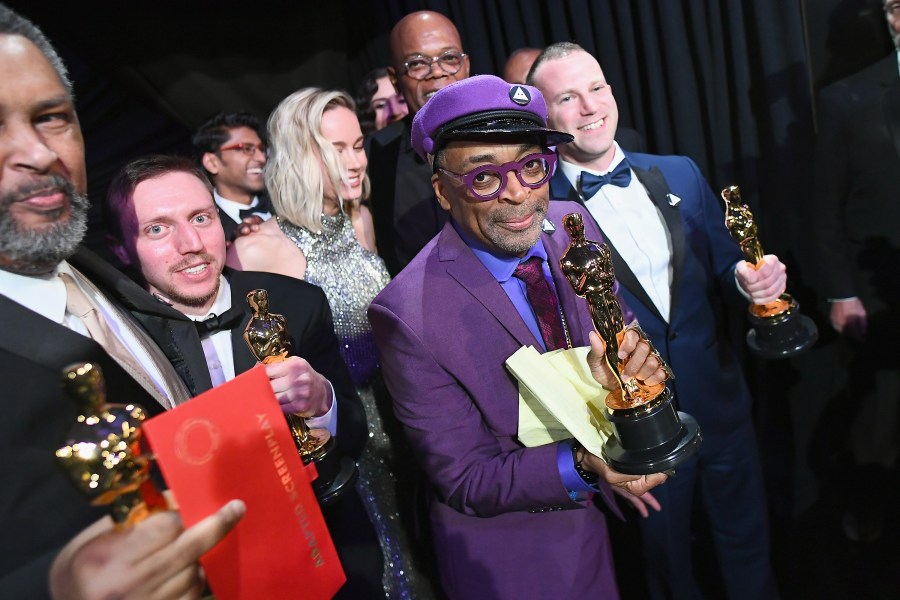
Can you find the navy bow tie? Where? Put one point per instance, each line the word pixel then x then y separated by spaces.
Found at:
pixel 591 184
pixel 262 206
pixel 224 322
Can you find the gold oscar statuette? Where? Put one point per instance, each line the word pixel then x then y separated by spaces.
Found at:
pixel 102 455
pixel 267 336
pixel 650 435
pixel 779 330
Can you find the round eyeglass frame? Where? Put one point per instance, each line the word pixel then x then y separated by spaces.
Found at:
pixel 516 166
pixel 435 59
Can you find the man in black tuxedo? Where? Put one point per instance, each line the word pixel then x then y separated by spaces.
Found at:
pixel 854 217
pixel 43 218
pixel 230 148
pixel 166 226
pixel 426 55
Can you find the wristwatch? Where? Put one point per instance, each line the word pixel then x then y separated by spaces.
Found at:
pixel 589 477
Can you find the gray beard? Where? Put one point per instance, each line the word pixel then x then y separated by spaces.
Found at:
pixel 29 252
pixel 517 244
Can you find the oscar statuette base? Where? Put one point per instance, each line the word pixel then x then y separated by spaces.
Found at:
pixel 336 473
pixel 654 441
pixel 782 335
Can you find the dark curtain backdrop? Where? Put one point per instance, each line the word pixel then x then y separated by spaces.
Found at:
pixel 723 81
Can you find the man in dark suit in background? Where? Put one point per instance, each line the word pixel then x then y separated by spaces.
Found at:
pixel 674 260
pixel 166 226
pixel 230 149
pixel 854 216
pixel 426 55
pixel 43 218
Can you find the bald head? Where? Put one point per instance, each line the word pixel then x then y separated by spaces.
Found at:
pixel 423 34
pixel 519 63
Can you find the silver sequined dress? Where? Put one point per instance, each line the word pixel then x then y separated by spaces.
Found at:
pixel 351 277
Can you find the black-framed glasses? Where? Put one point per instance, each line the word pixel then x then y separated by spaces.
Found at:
pixel 247 148
pixel 488 181
pixel 450 62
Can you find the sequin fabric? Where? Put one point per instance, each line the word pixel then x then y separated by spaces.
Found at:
pixel 351 277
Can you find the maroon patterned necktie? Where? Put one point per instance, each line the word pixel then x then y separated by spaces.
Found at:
pixel 543 301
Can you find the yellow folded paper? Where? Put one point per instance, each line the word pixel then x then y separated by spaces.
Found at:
pixel 559 398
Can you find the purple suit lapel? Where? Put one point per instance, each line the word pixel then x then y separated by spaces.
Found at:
pixel 463 266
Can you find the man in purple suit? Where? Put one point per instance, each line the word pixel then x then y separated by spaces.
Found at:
pixel 508 521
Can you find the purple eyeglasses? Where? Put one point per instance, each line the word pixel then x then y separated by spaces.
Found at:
pixel 488 181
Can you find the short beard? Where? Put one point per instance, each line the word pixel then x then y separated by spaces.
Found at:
pixel 517 243
pixel 29 251
pixel 198 302
pixel 175 296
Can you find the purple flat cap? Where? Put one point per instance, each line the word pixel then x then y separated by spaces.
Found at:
pixel 483 106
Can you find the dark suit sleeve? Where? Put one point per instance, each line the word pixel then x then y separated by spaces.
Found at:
pixel 319 346
pixel 31 580
pixel 830 189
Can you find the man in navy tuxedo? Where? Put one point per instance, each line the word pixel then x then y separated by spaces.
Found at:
pixel 674 260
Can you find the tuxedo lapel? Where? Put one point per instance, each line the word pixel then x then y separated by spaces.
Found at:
pixel 173 332
pixel 627 279
pixel 53 346
pixel 243 357
pixel 659 193
pixel 39 340
pixel 229 225
pixel 561 188
pixel 463 266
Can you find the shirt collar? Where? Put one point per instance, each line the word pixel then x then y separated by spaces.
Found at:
pixel 233 209
pixel 500 266
pixel 44 294
pixel 573 171
pixel 221 304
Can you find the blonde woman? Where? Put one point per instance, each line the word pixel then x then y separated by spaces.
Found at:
pixel 316 177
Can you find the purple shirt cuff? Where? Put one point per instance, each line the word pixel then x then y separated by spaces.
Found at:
pixel 570 477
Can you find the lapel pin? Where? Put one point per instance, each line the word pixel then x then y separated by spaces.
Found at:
pixel 673 199
pixel 547 226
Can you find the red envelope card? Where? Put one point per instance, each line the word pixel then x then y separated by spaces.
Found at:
pixel 233 442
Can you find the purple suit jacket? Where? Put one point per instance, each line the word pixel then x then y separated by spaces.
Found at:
pixel 503 523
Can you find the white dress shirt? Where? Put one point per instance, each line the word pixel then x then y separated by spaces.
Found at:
pixel 233 209
pixel 633 224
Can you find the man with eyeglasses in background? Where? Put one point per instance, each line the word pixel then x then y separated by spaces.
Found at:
pixel 426 55
pixel 230 149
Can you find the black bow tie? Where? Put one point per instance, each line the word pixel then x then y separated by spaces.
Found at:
pixel 262 206
pixel 224 322
pixel 591 184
